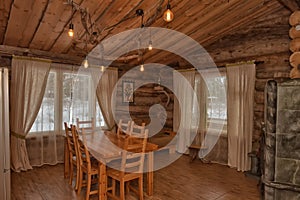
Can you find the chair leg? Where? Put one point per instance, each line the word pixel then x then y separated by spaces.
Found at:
pixel 127 187
pixel 141 193
pixel 122 190
pixel 88 187
pixel 80 181
pixel 113 187
pixel 77 177
pixel 71 173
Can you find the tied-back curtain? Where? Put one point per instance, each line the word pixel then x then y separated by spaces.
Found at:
pixel 104 94
pixel 28 82
pixel 183 107
pixel 241 80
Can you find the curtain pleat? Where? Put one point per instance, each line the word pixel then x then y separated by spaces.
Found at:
pixel 241 80
pixel 183 83
pixel 104 92
pixel 28 83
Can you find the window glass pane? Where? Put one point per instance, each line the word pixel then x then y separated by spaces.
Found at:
pixel 216 99
pixel 99 118
pixel 45 119
pixel 76 97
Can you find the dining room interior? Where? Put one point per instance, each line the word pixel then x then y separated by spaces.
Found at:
pixel 154 100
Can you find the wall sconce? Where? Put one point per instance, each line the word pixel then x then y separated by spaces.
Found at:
pixel 168 14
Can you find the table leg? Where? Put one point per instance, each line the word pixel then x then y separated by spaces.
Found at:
pixel 150 174
pixel 66 161
pixel 102 182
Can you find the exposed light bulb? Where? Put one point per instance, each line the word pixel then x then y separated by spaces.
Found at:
pixel 71 30
pixel 102 68
pixel 142 68
pixel 85 63
pixel 150 46
pixel 168 14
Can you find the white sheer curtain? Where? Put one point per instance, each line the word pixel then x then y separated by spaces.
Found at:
pixel 45 142
pixel 28 82
pixel 241 80
pixel 183 107
pixel 70 94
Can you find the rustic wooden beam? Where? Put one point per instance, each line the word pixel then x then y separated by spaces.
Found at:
pixel 55 57
pixel 292 5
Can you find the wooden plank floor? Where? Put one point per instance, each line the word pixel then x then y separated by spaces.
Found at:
pixel 181 180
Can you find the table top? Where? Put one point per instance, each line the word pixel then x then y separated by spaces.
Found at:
pixel 106 146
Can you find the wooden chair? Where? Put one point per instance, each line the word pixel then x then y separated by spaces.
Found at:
pixel 88 125
pixel 73 154
pixel 137 130
pixel 123 128
pixel 88 168
pixel 131 168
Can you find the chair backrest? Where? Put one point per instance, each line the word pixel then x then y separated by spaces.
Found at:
pixel 124 127
pixel 88 125
pixel 83 153
pixel 71 140
pixel 133 161
pixel 137 130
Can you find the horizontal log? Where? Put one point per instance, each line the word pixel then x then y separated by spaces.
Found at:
pixel 258 115
pixel 295 59
pixel 260 84
pixel 259 97
pixel 295 45
pixel 293 33
pixel 258 107
pixel 295 73
pixel 55 57
pixel 295 18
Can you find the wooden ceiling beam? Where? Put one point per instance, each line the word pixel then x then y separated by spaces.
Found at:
pixel 55 57
pixel 292 5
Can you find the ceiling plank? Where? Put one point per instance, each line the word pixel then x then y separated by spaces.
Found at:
pixel 25 18
pixel 114 14
pixel 292 5
pixel 52 24
pixel 5 6
pixel 217 29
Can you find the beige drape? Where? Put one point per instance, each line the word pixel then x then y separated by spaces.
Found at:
pixel 183 107
pixel 28 82
pixel 241 80
pixel 104 94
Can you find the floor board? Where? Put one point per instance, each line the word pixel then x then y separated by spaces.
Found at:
pixel 181 180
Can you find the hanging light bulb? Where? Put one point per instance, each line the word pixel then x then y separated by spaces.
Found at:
pixel 71 30
pixel 102 68
pixel 85 63
pixel 150 46
pixel 168 14
pixel 142 68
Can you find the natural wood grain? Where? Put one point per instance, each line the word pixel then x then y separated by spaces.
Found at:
pixel 5 6
pixel 181 180
pixel 24 19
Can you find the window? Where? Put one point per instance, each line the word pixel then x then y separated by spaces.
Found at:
pixel 211 99
pixel 45 118
pixel 67 96
pixel 216 98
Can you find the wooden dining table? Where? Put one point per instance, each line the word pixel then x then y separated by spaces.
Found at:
pixel 105 147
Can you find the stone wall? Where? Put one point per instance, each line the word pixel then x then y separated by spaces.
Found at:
pixel 282 150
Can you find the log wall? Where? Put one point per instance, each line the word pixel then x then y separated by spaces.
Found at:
pixel 266 41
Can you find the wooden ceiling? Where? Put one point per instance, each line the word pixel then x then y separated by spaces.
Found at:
pixel 39 27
